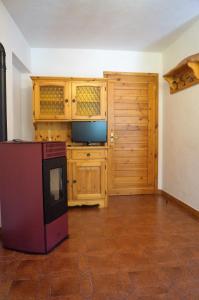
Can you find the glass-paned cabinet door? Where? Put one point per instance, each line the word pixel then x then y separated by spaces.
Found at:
pixel 88 100
pixel 52 101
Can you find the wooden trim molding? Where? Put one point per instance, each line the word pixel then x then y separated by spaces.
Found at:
pixel 180 203
pixel 108 74
pixel 184 75
pixel 60 78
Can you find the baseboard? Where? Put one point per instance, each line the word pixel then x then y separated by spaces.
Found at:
pixel 180 203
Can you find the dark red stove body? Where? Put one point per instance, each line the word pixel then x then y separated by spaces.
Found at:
pixel 33 195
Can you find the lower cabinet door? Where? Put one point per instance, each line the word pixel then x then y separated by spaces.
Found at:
pixel 88 180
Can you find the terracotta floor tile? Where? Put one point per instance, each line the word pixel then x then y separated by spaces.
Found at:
pixel 65 285
pixel 8 269
pixel 102 263
pixel 71 297
pixel 86 285
pixel 23 289
pixel 4 288
pixel 107 282
pixel 7 254
pixel 99 245
pixel 140 247
pixel 60 264
pixel 29 269
pixel 73 245
pixel 154 297
pixel 43 289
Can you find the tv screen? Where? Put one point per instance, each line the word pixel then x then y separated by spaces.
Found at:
pixel 89 132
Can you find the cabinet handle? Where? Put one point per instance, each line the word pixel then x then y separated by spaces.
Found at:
pixel 73 100
pixel 74 181
pixel 66 100
pixel 88 154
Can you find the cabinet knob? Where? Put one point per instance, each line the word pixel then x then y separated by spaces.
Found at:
pixel 88 154
pixel 66 100
pixel 74 181
pixel 73 100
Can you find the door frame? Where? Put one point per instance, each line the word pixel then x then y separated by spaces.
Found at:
pixel 3 109
pixel 113 77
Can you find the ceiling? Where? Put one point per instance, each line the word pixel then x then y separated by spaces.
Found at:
pixel 102 24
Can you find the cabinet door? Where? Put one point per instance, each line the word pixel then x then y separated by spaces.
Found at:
pixel 88 100
pixel 52 101
pixel 88 180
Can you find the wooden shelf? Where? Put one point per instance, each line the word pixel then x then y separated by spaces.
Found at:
pixel 184 75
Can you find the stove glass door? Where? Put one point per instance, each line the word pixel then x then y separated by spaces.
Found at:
pixel 56 185
pixel 55 196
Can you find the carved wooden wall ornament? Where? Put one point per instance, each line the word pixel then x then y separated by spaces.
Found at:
pixel 184 75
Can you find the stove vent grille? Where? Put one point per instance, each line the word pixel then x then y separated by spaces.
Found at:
pixel 54 149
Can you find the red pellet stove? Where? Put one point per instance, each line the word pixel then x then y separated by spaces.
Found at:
pixel 33 195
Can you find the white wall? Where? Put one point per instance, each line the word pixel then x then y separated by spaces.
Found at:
pixel 17 126
pixel 14 44
pixel 92 63
pixel 27 132
pixel 17 63
pixel 181 126
pixel 22 102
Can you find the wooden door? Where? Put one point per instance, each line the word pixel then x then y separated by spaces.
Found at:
pixel 52 100
pixel 88 100
pixel 88 180
pixel 132 134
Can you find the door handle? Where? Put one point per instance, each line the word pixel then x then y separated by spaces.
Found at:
pixel 113 137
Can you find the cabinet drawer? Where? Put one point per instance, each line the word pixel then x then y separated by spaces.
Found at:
pixel 88 154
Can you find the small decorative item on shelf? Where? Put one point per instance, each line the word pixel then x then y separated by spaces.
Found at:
pixel 184 75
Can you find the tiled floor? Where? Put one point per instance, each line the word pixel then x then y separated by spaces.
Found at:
pixel 138 248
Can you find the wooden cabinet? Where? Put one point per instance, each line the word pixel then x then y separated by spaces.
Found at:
pixel 67 99
pixel 51 100
pixel 87 176
pixel 88 100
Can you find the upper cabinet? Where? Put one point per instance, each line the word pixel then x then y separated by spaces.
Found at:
pixel 68 99
pixel 51 100
pixel 88 100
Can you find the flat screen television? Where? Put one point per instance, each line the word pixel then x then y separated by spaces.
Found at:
pixel 89 132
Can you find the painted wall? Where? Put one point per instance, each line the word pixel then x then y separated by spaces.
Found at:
pixel 181 126
pixel 15 46
pixel 22 102
pixel 18 66
pixel 27 132
pixel 91 63
pixel 16 82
